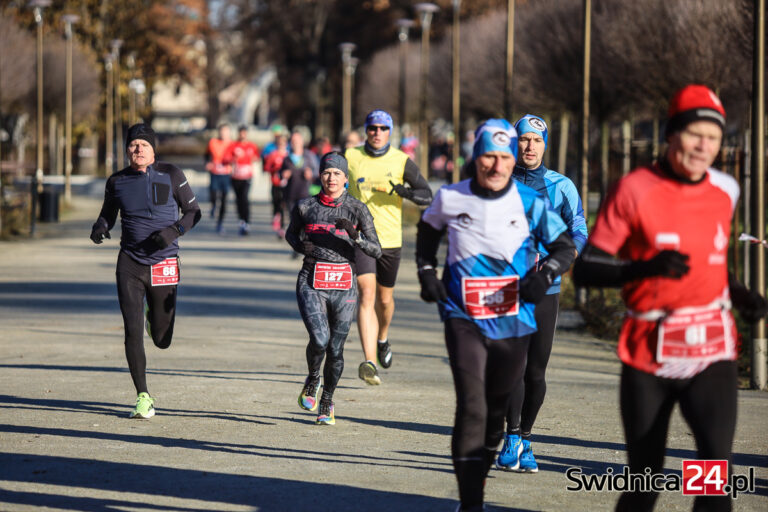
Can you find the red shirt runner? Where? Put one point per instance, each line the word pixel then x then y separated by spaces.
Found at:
pixel 646 213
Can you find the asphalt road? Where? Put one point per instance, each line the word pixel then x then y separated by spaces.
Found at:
pixel 228 434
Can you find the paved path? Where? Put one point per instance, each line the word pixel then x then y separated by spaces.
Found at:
pixel 229 435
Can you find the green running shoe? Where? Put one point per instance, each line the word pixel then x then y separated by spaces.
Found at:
pixel 145 407
pixel 367 371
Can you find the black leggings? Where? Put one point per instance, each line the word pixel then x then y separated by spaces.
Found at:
pixel 708 404
pixel 327 315
pixel 278 203
pixel 485 372
pixel 133 284
pixel 241 188
pixel 528 397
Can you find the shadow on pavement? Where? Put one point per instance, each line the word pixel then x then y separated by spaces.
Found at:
pixel 268 494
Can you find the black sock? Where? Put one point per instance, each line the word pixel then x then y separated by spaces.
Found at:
pixel 513 431
pixel 526 435
pixel 326 397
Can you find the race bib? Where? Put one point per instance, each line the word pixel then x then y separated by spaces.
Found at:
pixel 332 276
pixel 166 272
pixel 490 297
pixel 694 337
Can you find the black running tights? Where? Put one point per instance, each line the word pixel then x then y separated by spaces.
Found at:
pixel 485 372
pixel 528 397
pixel 327 315
pixel 133 284
pixel 241 188
pixel 708 404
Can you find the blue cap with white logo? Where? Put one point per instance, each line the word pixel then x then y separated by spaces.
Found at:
pixel 530 123
pixel 379 117
pixel 495 135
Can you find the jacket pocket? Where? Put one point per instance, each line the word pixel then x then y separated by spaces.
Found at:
pixel 160 193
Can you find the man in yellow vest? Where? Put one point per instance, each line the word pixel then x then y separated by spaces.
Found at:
pixel 381 177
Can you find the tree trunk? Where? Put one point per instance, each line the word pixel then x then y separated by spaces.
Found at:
pixel 605 142
pixel 562 150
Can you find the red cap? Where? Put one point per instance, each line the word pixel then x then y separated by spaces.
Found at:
pixel 694 103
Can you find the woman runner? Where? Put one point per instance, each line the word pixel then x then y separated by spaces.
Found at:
pixel 326 228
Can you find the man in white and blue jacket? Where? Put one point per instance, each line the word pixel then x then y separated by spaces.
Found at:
pixel 516 454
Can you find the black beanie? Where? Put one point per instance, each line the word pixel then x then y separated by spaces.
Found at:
pixel 144 132
pixel 334 160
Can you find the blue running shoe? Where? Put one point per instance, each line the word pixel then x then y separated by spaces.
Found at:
pixel 527 461
pixel 509 458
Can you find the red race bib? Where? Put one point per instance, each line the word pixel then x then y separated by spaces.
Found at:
pixel 166 272
pixel 693 337
pixel 332 276
pixel 490 297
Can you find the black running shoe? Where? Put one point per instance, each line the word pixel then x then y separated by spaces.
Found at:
pixel 385 354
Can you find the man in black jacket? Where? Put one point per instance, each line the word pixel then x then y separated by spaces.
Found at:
pixel 148 195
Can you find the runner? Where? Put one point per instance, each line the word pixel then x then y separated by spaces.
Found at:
pixel 148 195
pixel 273 164
pixel 669 225
pixel 327 228
pixel 378 175
pixel 488 292
pixel 220 168
pixel 242 153
pixel 299 170
pixel 517 453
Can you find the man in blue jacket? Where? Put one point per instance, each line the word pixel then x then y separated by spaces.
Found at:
pixel 517 454
pixel 148 195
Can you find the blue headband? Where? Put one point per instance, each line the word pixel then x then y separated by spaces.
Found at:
pixel 379 117
pixel 495 135
pixel 530 123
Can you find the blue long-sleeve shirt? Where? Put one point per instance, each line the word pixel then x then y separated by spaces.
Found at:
pixel 565 200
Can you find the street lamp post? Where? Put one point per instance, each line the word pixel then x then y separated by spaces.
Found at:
pixel 346 85
pixel 456 103
pixel 37 179
pixel 403 26
pixel 109 110
pixel 69 20
pixel 425 10
pixel 116 44
pixel 509 59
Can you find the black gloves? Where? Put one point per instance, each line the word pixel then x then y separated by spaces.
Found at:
pixel 308 247
pixel 750 304
pixel 99 232
pixel 533 287
pixel 432 288
pixel 164 237
pixel 401 190
pixel 347 226
pixel 665 264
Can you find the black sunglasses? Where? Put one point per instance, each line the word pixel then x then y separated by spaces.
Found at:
pixel 374 128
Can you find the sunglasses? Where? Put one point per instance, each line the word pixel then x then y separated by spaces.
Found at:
pixel 374 128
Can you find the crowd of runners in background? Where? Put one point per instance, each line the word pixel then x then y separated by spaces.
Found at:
pixel 513 227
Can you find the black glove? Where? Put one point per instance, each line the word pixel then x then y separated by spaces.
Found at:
pixel 665 264
pixel 164 237
pixel 401 190
pixel 534 286
pixel 308 247
pixel 99 232
pixel 750 304
pixel 347 226
pixel 432 288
